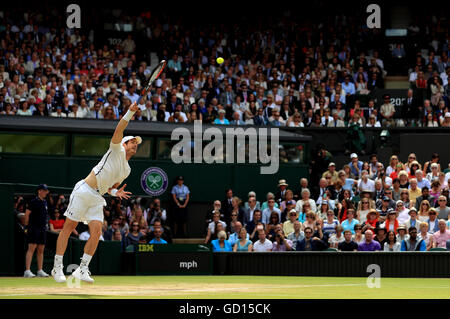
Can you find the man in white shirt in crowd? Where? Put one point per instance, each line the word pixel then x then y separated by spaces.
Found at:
pixel 365 183
pixel 262 244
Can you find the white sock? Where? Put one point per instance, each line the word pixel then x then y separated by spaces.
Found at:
pixel 58 260
pixel 85 260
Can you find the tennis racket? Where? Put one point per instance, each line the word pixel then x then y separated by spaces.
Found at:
pixel 155 74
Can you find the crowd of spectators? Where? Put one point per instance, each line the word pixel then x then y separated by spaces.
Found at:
pixel 281 74
pixel 361 206
pixel 364 206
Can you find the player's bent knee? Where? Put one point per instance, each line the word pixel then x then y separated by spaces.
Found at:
pixel 95 228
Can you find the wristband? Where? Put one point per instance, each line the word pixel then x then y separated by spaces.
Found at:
pixel 114 191
pixel 127 117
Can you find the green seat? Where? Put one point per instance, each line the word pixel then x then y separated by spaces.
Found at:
pixel 446 170
pixel 331 249
pixel 438 249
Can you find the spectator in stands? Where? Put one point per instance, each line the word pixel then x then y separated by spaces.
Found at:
pixel 402 212
pixel 381 235
pixel 337 237
pixel 414 242
pixel 348 244
pixel 391 223
pixel 251 225
pixel 56 222
pixel 310 243
pixel 427 165
pixel 441 237
pixel 355 166
pixel 434 174
pixel 350 222
pixel 234 237
pixel 369 244
pixel 289 200
pixel 412 221
pixel 262 244
pixel 243 243
pixel 421 182
pixel 435 191
pixel 281 243
pixel 156 211
pixel 267 213
pixel 227 204
pixel 221 243
pixel 443 210
pixel 288 225
pixel 271 226
pixel 134 236
pixel 212 226
pixel 297 235
pixel 108 235
pixel 432 221
pixel 157 232
pixel 413 193
pixel 392 244
pixel 305 198
pixel 425 197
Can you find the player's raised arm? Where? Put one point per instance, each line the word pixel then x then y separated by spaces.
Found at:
pixel 123 123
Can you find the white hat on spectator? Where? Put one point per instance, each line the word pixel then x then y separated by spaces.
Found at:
pixel 353 155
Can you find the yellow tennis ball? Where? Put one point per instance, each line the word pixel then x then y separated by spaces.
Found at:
pixel 220 60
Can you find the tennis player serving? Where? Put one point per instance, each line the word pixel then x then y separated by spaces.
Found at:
pixel 86 201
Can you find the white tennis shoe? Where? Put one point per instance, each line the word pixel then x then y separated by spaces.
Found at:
pixel 58 274
pixel 83 273
pixel 42 273
pixel 28 274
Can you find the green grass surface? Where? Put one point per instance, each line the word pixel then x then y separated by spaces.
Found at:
pixel 229 287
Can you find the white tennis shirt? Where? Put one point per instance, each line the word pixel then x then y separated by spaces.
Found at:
pixel 113 168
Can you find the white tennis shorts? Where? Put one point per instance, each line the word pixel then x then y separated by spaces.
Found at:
pixel 85 204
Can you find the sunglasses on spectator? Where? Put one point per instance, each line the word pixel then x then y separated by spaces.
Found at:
pixel 442 200
pixel 116 224
pixel 233 214
pixel 413 232
pixel 365 202
pixel 308 232
pixel 135 225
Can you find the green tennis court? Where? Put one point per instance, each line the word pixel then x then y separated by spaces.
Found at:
pixel 226 287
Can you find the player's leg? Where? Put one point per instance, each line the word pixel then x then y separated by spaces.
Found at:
pixel 94 216
pixel 63 237
pixel 61 245
pixel 95 230
pixel 28 259
pixel 74 213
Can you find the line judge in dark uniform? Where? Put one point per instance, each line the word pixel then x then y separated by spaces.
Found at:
pixel 180 194
pixel 36 218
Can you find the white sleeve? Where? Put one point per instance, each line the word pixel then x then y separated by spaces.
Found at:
pixel 115 147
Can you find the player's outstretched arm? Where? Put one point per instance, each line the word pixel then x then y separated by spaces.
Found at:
pixel 123 123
